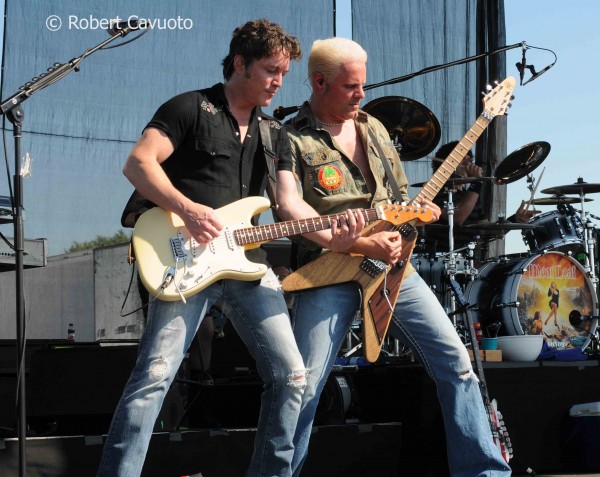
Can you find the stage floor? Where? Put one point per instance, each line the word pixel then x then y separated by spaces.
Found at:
pixel 375 420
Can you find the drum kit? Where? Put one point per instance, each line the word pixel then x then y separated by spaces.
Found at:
pixel 510 294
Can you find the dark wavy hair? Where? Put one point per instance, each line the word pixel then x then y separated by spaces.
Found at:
pixel 259 39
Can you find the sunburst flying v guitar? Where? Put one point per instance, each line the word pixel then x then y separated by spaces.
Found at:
pixel 379 282
pixel 173 265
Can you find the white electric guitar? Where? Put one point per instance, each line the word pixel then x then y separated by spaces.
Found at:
pixel 173 265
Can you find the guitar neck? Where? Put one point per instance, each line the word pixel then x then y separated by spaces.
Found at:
pixel 262 233
pixel 447 168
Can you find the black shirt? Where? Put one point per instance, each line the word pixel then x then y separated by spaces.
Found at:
pixel 209 164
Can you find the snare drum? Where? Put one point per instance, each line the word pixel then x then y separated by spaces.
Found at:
pixel 514 291
pixel 433 269
pixel 556 230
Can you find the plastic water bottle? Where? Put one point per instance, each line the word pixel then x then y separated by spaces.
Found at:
pixel 71 332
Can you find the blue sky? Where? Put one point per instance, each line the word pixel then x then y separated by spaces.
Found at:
pixel 561 106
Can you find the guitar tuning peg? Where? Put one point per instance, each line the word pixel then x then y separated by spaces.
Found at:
pixel 488 87
pixel 512 96
pixel 496 82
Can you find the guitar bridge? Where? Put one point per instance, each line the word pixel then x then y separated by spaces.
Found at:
pixel 373 267
pixel 178 247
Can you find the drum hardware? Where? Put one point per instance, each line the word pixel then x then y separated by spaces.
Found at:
pixel 533 187
pixel 353 340
pixel 590 242
pixel 514 304
pixel 451 253
pixel 521 162
pixel 521 271
pixel 413 128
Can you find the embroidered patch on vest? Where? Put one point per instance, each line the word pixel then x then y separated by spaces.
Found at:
pixel 330 177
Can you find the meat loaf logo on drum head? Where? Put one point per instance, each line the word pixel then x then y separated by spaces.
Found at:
pixel 552 287
pixel 330 177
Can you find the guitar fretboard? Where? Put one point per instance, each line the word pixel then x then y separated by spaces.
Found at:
pixel 447 168
pixel 289 228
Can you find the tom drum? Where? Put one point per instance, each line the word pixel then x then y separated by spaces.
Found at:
pixel 557 230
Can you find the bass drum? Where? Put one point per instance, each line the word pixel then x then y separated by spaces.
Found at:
pixel 515 291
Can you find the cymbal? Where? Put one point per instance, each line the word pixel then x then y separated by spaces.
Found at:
pixel 457 180
pixel 521 162
pixel 580 187
pixel 558 199
pixel 501 226
pixel 411 125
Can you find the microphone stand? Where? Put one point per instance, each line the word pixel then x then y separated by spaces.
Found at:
pixel 429 69
pixel 13 110
pixel 281 112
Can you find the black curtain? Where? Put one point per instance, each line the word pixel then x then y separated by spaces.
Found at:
pixel 491 148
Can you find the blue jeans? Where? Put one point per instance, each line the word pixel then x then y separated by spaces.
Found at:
pixel 260 317
pixel 322 317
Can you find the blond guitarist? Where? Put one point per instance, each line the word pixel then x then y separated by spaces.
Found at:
pixel 337 167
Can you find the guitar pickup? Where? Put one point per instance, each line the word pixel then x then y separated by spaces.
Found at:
pixel 178 247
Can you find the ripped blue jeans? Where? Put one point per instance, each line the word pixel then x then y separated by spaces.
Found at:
pixel 260 317
pixel 322 318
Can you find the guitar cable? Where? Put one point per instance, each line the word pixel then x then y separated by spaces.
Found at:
pixel 386 295
pixel 144 305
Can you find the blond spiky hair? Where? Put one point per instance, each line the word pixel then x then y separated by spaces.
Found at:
pixel 327 55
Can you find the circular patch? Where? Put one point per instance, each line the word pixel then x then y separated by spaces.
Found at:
pixel 330 177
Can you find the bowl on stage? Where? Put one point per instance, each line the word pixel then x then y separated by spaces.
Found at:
pixel 520 347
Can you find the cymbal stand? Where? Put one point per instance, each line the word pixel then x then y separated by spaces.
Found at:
pixel 472 272
pixel 451 254
pixel 588 244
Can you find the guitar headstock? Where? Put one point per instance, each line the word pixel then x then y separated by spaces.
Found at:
pixel 398 214
pixel 497 101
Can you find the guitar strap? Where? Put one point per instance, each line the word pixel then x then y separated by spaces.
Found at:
pixel 265 138
pixel 388 170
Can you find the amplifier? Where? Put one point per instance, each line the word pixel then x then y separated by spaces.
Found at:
pixel 34 253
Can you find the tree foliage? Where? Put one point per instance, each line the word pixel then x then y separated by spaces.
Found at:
pixel 100 241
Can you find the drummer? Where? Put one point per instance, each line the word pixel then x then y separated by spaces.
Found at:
pixel 467 206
